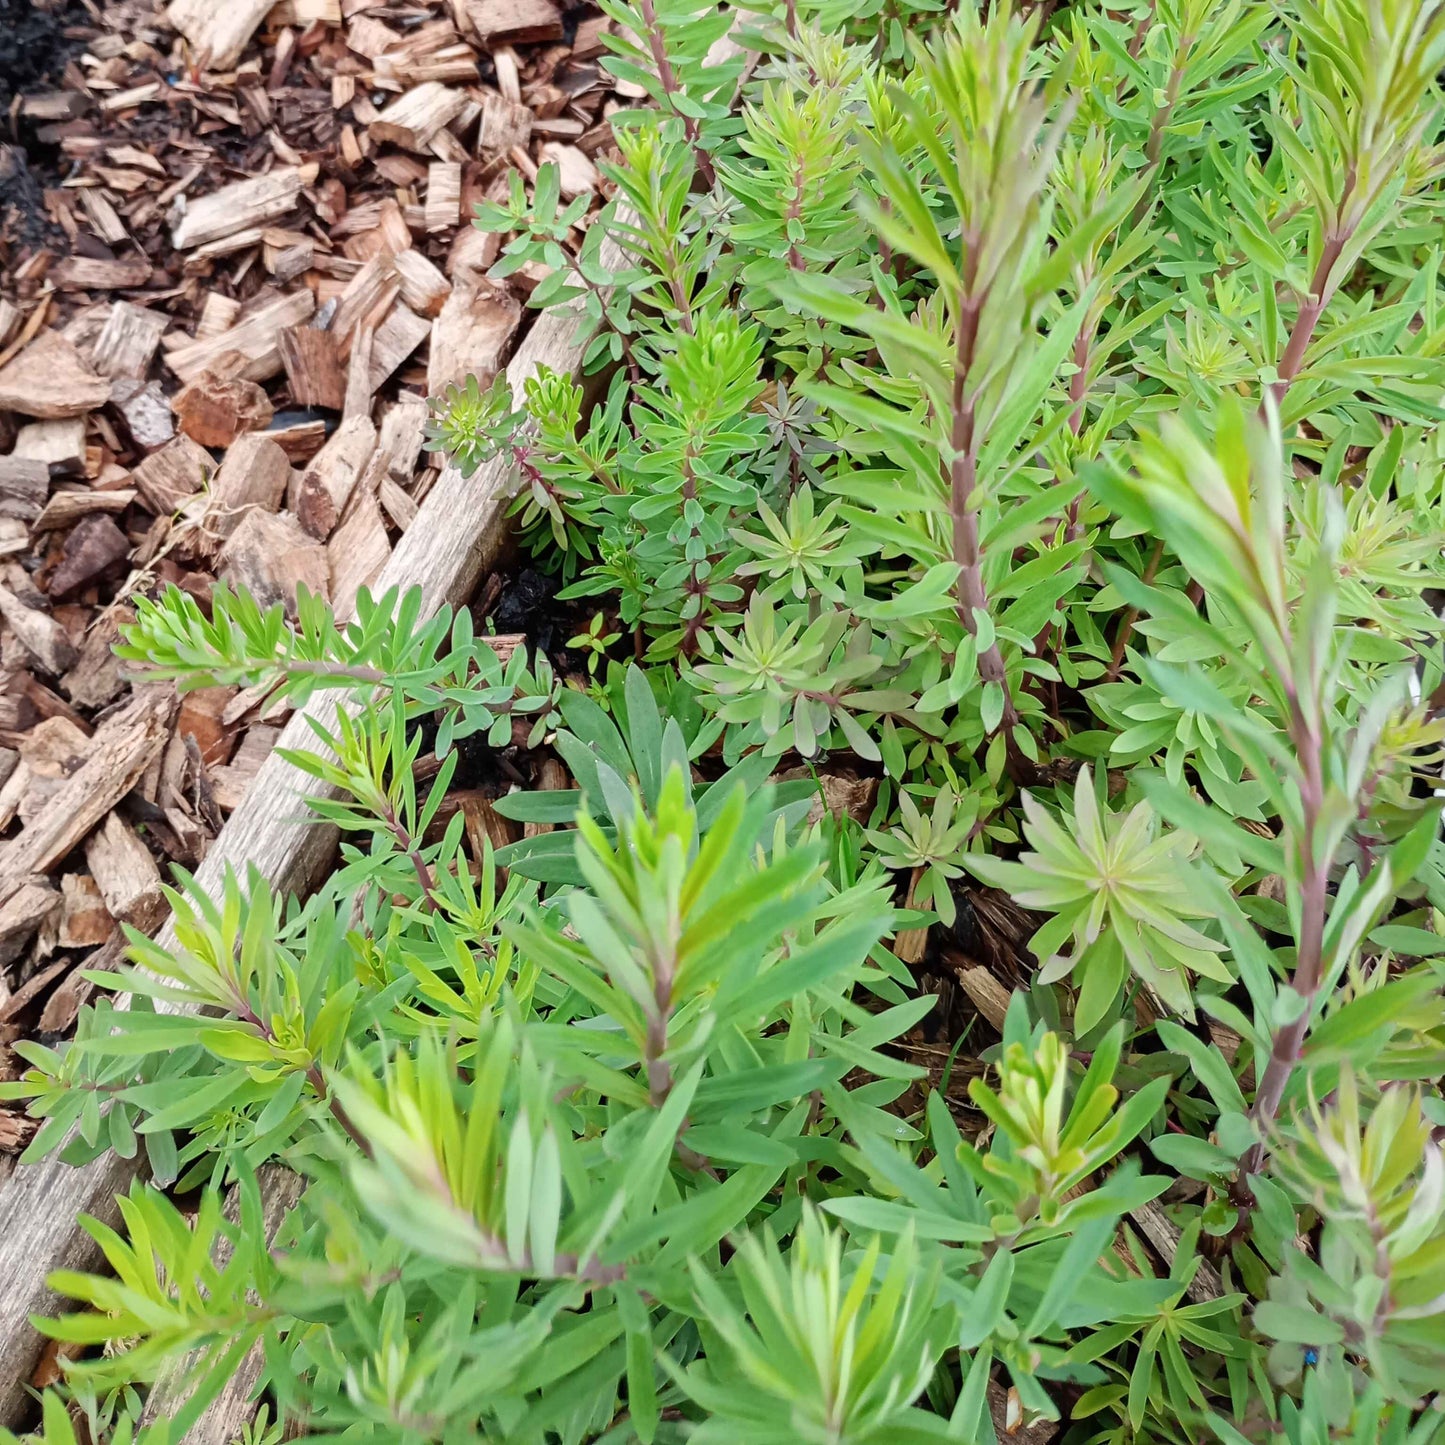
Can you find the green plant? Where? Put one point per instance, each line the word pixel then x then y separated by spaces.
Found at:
pixel 1030 425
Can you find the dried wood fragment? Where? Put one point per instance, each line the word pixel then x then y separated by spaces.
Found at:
pixel 423 287
pixel 168 476
pixel 85 922
pixel 60 444
pixel 118 754
pixel 328 482
pixel 125 873
pixel 145 411
pixel 95 680
pixel 253 336
pixel 39 633
pixel 218 30
pixel 395 340
pixel 26 908
pixel 50 378
pixel 66 508
pixel 240 206
pixel 24 486
pixel 217 315
pixel 356 554
pixel 985 992
pixel 505 124
pixel 229 783
pixel 128 341
pixel 443 195
pixel 514 22
pixel 214 410
pixel 397 504
pixel 313 367
pixel 1163 1234
pixel 94 547
pixel 270 555
pixel 200 718
pixel 97 273
pixel 471 334
pixel 252 476
pixel 365 294
pixel 414 118
pixel 575 171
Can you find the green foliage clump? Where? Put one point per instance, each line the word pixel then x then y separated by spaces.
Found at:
pixel 1041 419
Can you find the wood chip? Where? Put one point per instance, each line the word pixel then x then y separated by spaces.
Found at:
pixel 328 482
pixel 575 172
pixel 313 367
pixel 229 783
pixel 253 336
pixel 270 555
pixel 505 124
pixel 94 548
pixel 85 922
pixel 356 554
pixel 237 207
pixel 394 341
pixel 24 486
pixel 200 718
pixel 177 471
pixel 443 195
pixel 253 475
pixel 60 444
pixel 126 874
pixel 128 341
pixel 472 333
pixel 514 22
pixel 119 753
pixel 39 633
pixel 218 30
pixel 214 410
pixel 66 508
pixel 423 286
pixel 414 118
pixel 50 378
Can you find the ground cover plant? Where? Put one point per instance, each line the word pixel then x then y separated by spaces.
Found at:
pixel 1039 416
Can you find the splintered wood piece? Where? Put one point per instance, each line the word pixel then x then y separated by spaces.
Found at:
pixel 423 287
pixel 313 367
pixel 50 378
pixel 214 410
pixel 97 273
pixel 369 37
pixel 116 756
pixel 95 681
pixel 94 547
pixel 270 555
pixel 24 486
pixel 253 475
pixel 168 476
pixel 145 411
pixel 218 30
pixel 356 554
pixel 395 340
pixel 254 336
pixel 302 13
pixel 229 783
pixel 128 341
pixel 39 633
pixel 575 171
pixel 358 378
pixel 217 315
pixel 413 119
pixel 200 718
pixel 514 22
pixel 471 334
pixel 443 195
pixel 64 509
pixel 505 124
pixel 85 922
pixel 403 432
pixel 27 907
pixel 397 504
pixel 126 874
pixel 328 482
pixel 60 444
pixel 986 993
pixel 238 207
pixel 364 295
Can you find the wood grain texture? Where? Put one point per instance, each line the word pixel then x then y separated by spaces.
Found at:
pixel 458 534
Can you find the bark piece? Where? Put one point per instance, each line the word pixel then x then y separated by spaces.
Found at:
pixel 253 476
pixel 168 476
pixel 50 378
pixel 356 554
pixel 40 634
pixel 126 874
pixel 270 555
pixel 85 922
pixel 313 367
pixel 253 336
pixel 423 286
pixel 94 546
pixel 200 718
pixel 127 342
pixel 413 119
pixel 214 410
pixel 218 30
pixel 116 756
pixel 229 783
pixel 329 481
pixel 24 486
pixel 65 509
pixel 471 335
pixel 514 22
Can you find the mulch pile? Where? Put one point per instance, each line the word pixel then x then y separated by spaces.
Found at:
pixel 235 259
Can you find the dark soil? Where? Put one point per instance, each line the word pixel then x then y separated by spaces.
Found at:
pixel 35 43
